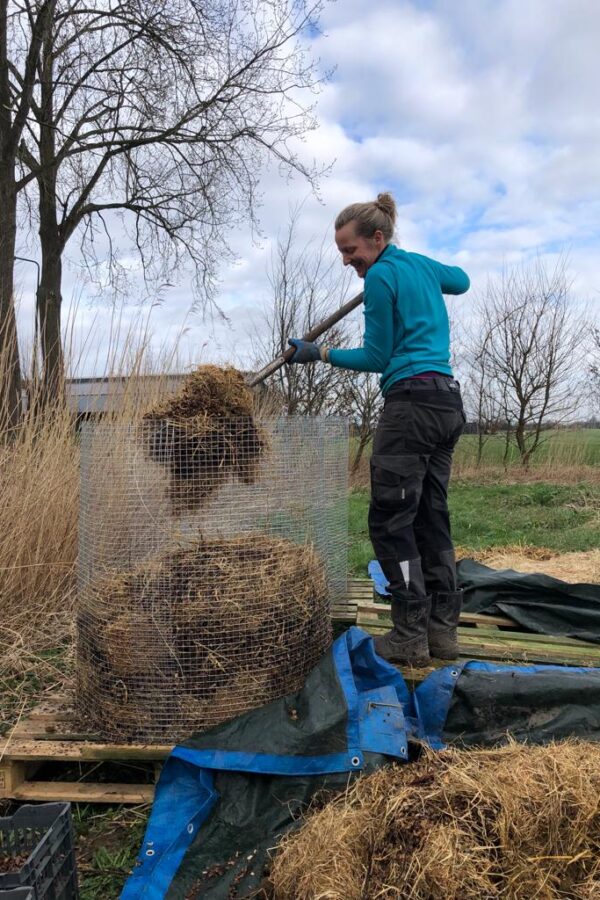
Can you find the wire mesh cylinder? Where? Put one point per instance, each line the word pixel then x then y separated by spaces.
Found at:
pixel 207 564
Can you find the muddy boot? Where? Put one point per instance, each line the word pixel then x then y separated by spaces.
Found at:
pixel 406 643
pixel 442 634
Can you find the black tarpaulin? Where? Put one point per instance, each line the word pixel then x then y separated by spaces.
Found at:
pixel 536 602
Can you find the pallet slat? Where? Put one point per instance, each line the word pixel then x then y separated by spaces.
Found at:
pixel 509 638
pixel 479 619
pixel 84 751
pixel 476 644
pixel 84 792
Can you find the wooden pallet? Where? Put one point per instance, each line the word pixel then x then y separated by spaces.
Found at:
pixel 491 638
pixel 360 592
pixel 50 732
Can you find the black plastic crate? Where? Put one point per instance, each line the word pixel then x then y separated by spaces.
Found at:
pixel 43 835
pixel 22 893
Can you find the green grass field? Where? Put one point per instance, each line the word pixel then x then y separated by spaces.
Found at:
pixel 567 447
pixel 558 517
pixel 577 447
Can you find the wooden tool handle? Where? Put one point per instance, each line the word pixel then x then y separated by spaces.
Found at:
pixel 311 335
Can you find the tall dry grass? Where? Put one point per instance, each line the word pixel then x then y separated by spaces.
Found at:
pixel 39 491
pixel 38 530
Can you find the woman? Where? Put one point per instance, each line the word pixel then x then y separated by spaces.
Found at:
pixel 407 340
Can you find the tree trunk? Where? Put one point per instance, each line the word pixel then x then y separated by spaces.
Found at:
pixel 506 445
pixel 362 443
pixel 48 312
pixel 480 442
pixel 10 367
pixel 522 443
pixel 49 298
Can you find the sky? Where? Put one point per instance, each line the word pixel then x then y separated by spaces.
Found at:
pixel 482 117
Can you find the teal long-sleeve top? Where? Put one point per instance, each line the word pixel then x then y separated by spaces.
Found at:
pixel 406 322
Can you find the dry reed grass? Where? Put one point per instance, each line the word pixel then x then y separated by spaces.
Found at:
pixel 39 491
pixel 38 531
pixel 199 635
pixel 516 823
pixel 574 568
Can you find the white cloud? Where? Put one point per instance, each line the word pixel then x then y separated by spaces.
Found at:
pixel 482 116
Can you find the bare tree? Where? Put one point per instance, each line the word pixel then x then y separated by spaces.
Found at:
pixel 160 113
pixel 531 351
pixel 18 77
pixel 307 284
pixel 595 364
pixel 485 399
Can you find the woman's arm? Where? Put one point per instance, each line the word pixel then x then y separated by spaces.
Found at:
pixel 378 340
pixel 453 280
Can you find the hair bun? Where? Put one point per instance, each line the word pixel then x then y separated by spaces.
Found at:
pixel 372 216
pixel 386 203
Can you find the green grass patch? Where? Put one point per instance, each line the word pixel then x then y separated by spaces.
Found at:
pixel 108 841
pixel 564 447
pixel 559 517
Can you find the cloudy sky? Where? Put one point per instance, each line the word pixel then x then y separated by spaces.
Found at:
pixel 481 116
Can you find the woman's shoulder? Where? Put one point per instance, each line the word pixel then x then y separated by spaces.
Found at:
pixel 388 263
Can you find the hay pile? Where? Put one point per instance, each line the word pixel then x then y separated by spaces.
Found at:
pixel 517 823
pixel 573 567
pixel 205 435
pixel 199 635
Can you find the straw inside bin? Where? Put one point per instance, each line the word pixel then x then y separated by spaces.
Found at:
pixel 200 635
pixel 211 547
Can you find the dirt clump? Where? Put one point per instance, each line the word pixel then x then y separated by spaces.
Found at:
pixel 205 435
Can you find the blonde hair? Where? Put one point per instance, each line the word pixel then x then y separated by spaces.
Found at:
pixel 376 215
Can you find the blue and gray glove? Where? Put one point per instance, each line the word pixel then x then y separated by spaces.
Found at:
pixel 307 352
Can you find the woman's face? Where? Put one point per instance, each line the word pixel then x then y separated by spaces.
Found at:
pixel 358 252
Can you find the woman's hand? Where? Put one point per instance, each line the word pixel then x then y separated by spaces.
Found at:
pixel 306 351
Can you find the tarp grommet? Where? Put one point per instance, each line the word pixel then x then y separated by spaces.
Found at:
pixel 149 852
pixel 355 761
pixel 190 829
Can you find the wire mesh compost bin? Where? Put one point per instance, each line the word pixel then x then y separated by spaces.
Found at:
pixel 209 556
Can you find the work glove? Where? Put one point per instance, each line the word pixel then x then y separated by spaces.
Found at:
pixel 307 352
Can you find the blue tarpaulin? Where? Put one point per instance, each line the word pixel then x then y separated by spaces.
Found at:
pixel 226 796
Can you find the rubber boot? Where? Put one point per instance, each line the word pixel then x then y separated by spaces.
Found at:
pixel 442 634
pixel 406 643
